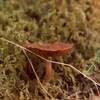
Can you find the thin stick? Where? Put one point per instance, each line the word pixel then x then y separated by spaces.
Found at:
pixel 51 60
pixel 69 97
pixel 36 74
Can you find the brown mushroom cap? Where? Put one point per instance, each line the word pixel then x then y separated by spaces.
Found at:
pixel 50 49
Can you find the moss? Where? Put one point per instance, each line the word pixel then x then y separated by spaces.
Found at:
pixel 24 21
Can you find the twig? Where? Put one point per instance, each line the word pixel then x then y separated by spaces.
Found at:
pixel 36 74
pixel 51 60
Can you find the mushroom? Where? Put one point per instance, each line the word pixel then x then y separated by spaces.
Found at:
pixel 49 50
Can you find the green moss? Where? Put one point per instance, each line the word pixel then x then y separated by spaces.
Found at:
pixel 43 21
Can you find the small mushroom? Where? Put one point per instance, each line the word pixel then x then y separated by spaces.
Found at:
pixel 49 50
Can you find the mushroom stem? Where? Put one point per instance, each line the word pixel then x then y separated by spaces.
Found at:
pixel 48 71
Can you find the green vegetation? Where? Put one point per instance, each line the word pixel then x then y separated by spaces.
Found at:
pixel 73 21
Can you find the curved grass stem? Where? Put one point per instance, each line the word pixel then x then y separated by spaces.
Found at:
pixel 23 48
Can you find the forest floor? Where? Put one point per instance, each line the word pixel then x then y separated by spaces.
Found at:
pixel 76 75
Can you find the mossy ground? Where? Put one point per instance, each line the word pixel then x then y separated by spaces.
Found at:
pixel 22 21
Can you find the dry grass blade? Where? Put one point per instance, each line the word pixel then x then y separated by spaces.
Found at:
pixel 95 83
pixel 36 74
pixel 76 70
pixel 30 64
pixel 74 94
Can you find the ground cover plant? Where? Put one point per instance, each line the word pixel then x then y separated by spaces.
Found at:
pixel 75 76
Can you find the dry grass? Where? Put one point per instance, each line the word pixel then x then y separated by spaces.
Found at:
pixel 23 21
